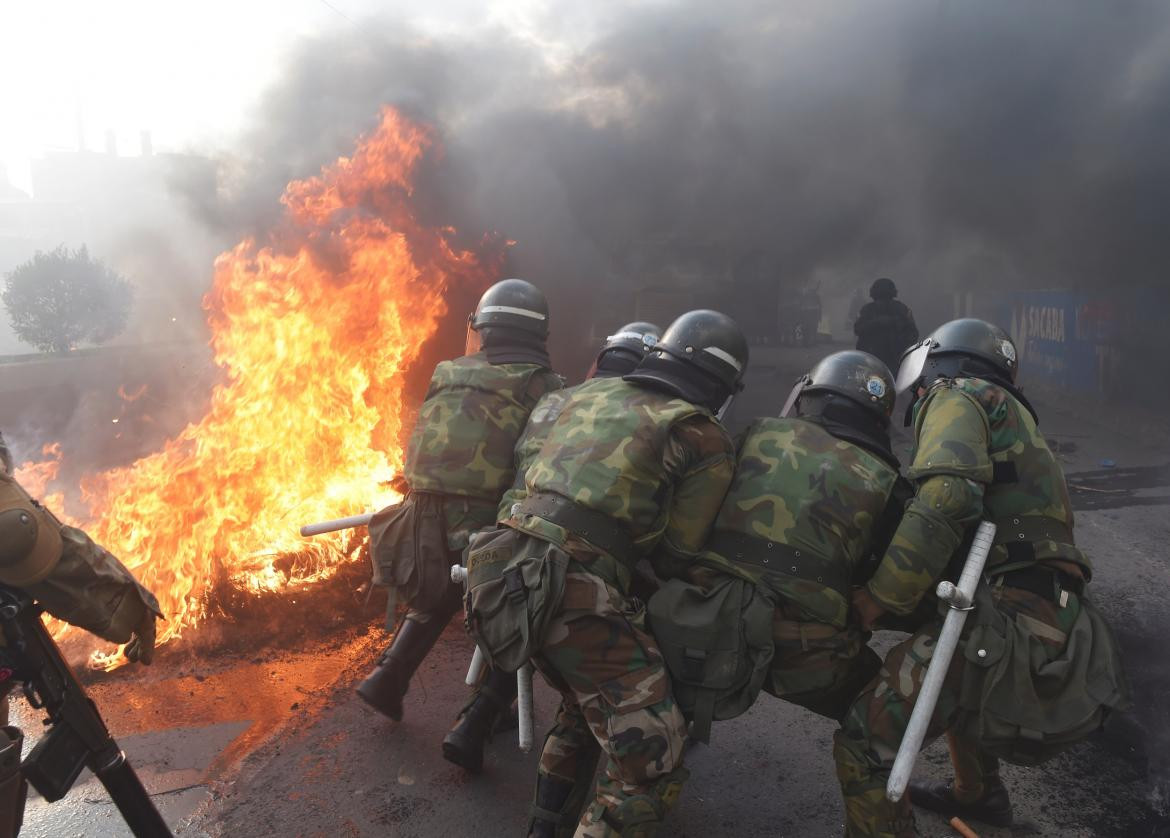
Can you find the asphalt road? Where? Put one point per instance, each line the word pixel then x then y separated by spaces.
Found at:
pixel 254 730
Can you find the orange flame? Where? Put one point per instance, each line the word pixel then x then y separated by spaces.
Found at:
pixel 313 329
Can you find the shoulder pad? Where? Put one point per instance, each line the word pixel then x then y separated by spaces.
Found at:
pixel 952 436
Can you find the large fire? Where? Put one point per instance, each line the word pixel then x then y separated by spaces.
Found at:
pixel 313 328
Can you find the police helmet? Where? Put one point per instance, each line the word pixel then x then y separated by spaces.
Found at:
pixel 966 346
pixel 625 348
pixel 512 304
pixel 858 376
pixel 883 289
pixel 701 357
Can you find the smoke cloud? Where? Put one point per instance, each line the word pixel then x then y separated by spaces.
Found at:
pixel 946 144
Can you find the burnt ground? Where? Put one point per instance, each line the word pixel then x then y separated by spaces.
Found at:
pixel 250 726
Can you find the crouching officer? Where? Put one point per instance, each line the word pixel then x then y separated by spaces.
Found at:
pixel 632 467
pixel 71 577
pixel 1037 668
pixel 816 495
pixel 619 355
pixel 458 463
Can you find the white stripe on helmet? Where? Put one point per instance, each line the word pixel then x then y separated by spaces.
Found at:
pixel 725 356
pixel 523 312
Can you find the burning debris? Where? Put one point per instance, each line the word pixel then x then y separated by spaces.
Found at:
pixel 314 326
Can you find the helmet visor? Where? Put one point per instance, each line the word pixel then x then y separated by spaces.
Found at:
pixel 472 343
pixel 797 389
pixel 913 363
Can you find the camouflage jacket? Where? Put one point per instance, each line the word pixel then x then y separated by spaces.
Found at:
pixel 5 456
pixel 978 455
pixel 656 465
pixel 539 422
pixel 465 436
pixel 803 514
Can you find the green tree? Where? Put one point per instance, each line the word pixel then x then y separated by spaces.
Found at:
pixel 62 299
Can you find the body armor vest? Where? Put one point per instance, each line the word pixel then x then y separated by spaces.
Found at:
pixel 465 436
pixel 801 514
pixel 606 453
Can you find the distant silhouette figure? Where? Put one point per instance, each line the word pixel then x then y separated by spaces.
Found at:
pixel 885 327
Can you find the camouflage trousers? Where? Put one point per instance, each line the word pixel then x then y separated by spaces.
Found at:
pixel 819 666
pixel 616 693
pixel 865 746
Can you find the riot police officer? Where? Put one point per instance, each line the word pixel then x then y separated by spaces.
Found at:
pixel 816 495
pixel 978 455
pixel 620 353
pixel 458 463
pixel 632 467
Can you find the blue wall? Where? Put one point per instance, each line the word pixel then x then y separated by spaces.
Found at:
pixel 1085 343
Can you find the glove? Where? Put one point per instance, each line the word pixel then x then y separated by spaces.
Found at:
pixel 867 608
pixel 140 649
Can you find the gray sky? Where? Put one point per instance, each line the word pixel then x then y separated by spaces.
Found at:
pixel 187 71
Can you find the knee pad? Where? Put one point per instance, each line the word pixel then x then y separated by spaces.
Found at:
pixel 640 815
pixel 855 771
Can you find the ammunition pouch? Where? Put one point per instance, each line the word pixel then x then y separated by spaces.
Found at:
pixel 597 528
pixel 515 585
pixel 30 537
pixel 13 786
pixel 1022 704
pixel 408 550
pixel 717 644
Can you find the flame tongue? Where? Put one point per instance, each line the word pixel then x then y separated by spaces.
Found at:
pixel 313 329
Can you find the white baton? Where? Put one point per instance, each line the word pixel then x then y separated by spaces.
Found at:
pixel 959 598
pixel 349 523
pixel 524 705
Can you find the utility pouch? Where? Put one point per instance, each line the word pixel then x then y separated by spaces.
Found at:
pixel 717 645
pixel 408 550
pixel 1025 705
pixel 515 585
pixel 56 761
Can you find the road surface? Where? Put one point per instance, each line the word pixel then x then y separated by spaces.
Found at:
pixel 256 731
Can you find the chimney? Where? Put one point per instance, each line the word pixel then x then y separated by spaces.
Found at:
pixel 146 144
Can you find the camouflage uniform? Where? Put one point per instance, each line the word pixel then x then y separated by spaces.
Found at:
pixel 805 513
pixel 542 418
pixel 458 463
pixel 978 455
pixel 656 468
pixel 81 582
pixel 461 451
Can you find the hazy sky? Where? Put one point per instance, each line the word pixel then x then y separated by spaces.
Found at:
pixel 186 71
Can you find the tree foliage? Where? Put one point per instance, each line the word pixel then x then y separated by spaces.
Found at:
pixel 62 299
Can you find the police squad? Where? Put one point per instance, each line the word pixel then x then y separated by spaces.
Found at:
pixel 661 575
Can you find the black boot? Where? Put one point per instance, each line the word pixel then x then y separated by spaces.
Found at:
pixel 463 745
pixel 548 815
pixel 384 688
pixel 993 808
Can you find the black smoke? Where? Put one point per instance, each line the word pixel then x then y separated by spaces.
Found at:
pixel 947 144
